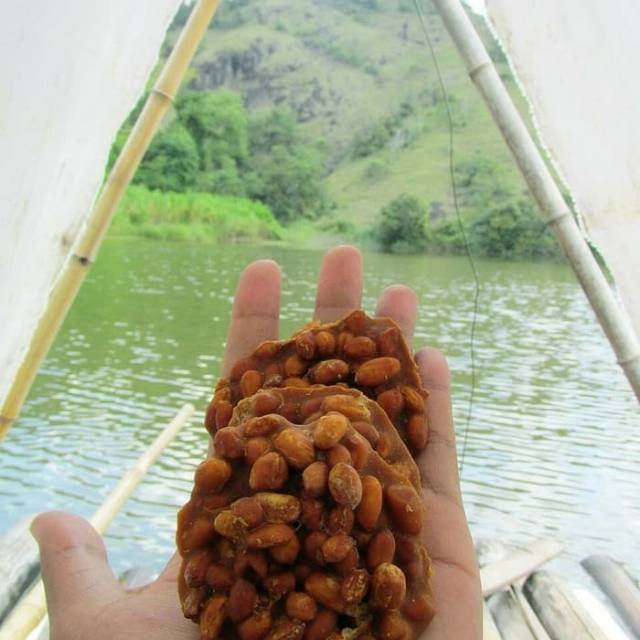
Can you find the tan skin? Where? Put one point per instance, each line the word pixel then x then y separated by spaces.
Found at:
pixel 83 595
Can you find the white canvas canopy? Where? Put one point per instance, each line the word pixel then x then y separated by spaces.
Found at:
pixel 578 64
pixel 71 72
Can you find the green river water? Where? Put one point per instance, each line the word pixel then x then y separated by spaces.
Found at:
pixel 552 450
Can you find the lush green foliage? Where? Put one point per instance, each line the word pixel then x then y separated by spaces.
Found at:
pixel 213 146
pixel 195 216
pixel 402 226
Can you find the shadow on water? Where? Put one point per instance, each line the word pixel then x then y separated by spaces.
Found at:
pixel 554 440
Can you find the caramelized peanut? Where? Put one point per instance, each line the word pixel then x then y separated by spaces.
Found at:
pixel 228 443
pixel 249 510
pixel 305 345
pixel 325 590
pixel 256 447
pixel 250 382
pixel 212 617
pixel 377 371
pixel 323 624
pixel 388 586
pixel 314 479
pixel 301 606
pixel 325 343
pixel 405 508
pixel 381 549
pixel 279 507
pixel 266 402
pixel 287 552
pixel 360 347
pixel 242 600
pixel 345 485
pixel 269 535
pixel 256 627
pixel 329 371
pixel 354 586
pixel 330 430
pixel 336 548
pixel 296 447
pixel 270 471
pixel 370 507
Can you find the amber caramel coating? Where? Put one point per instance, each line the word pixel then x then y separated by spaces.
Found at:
pixel 299 542
pixel 367 354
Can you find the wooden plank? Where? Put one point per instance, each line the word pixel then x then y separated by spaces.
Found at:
pixel 489 629
pixel 602 614
pixel 562 616
pixel 509 617
pixel 536 627
pixel 617 584
pixel 517 565
pixel 19 564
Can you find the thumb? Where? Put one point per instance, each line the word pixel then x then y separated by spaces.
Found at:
pixel 73 562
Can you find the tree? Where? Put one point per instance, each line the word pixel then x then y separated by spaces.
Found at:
pixel 218 123
pixel 402 226
pixel 171 162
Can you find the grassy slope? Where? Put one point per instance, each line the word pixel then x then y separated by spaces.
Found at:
pixel 354 70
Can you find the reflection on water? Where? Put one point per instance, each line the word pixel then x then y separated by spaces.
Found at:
pixel 553 445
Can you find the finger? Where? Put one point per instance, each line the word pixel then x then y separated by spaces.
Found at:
pixel 438 463
pixel 256 311
pixel 73 562
pixel 399 303
pixel 339 284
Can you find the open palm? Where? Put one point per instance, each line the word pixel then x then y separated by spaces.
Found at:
pixel 83 595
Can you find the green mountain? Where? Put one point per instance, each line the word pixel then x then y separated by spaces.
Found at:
pixel 361 82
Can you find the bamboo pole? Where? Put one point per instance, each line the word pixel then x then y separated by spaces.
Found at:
pixel 86 248
pixel 33 606
pixel 553 208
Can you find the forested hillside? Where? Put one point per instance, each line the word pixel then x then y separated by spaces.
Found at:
pixel 329 112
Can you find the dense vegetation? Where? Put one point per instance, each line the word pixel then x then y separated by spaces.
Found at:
pixel 327 117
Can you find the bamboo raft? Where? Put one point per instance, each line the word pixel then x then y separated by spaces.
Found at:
pixel 522 600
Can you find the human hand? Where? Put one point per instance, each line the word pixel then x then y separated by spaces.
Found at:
pixel 86 601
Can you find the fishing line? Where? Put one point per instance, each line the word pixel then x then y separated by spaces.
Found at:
pixel 476 280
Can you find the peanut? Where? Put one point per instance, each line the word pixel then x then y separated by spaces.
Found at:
pixel 368 431
pixel 285 629
pixel 301 606
pixel 360 347
pixel 224 411
pixel 212 617
pixel 289 411
pixel 250 382
pixel 269 535
pixel 212 474
pixel 295 366
pixel 313 514
pixel 198 535
pixel 270 471
pixel 287 552
pixel 330 430
pixel 262 425
pixel 392 402
pixel 381 549
pixel 296 446
pixel 213 501
pixel 348 406
pixel 250 510
pixel 384 448
pixel 354 586
pixel 412 398
pixel 256 447
pixel 267 350
pixel 279 507
pixel 329 371
pixel 266 402
pixel 192 602
pixel 341 520
pixel 405 508
pixel 359 448
pixel 417 607
pixel 210 417
pixel 258 562
pixel 393 627
pixel 300 383
pixel 388 586
pixel 345 485
pixel 370 507
pixel 343 338
pixel 417 433
pixel 325 343
pixel 225 551
pixel 325 590
pixel 349 562
pixel 229 525
pixel 219 577
pixel 228 443
pixel 256 627
pixel 195 570
pixel 336 548
pixel 339 453
pixel 277 584
pixel 323 624
pixel 377 371
pixel 240 367
pixel 305 345
pixel 313 546
pixel 242 600
pixel 309 407
pixel 314 479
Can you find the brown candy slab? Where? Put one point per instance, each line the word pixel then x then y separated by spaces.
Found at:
pixel 367 354
pixel 298 528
